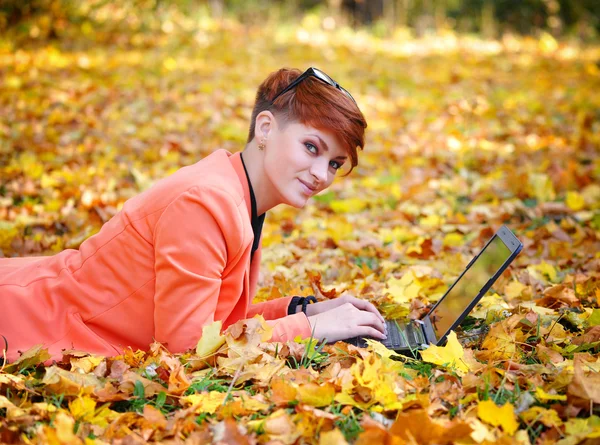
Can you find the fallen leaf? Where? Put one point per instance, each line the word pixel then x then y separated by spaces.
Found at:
pixel 450 356
pixel 502 416
pixel 584 388
pixel 416 426
pixel 211 339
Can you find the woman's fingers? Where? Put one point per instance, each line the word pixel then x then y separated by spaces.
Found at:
pixel 366 306
pixel 367 331
pixel 347 321
pixel 366 318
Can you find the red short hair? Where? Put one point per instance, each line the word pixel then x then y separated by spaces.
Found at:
pixel 312 103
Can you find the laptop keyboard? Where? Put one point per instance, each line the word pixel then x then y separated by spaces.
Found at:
pixel 399 336
pixel 396 338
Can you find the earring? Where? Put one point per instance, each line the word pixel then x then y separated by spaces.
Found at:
pixel 262 145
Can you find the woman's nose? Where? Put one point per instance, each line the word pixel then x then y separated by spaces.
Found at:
pixel 319 170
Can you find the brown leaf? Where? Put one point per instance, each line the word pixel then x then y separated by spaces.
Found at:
pixel 559 296
pixel 227 433
pixel 315 282
pixel 548 355
pixel 417 426
pixel 282 392
pixel 584 388
pixel 59 381
pixel 117 369
pixel 32 357
pixel 128 383
pixel 591 335
pixel 154 418
pixel 375 434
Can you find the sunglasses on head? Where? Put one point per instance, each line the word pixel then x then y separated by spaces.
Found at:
pixel 314 72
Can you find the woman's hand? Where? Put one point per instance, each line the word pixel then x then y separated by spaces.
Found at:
pixel 346 321
pixel 324 306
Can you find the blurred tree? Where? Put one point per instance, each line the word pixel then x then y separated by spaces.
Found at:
pixel 48 18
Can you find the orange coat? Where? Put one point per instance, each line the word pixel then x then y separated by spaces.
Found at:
pixel 174 259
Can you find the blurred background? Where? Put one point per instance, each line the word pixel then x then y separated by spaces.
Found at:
pixel 56 19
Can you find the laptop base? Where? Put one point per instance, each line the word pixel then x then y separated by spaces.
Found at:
pixel 403 338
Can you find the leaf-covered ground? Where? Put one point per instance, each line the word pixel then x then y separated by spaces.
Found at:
pixel 464 135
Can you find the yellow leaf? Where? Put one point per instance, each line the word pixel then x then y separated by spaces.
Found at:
pixel 7 232
pixel 381 350
pixel 60 381
pixel 351 205
pixel 211 339
pixel 548 417
pixel 480 431
pixel 64 426
pixel 575 201
pixel 542 187
pixel 544 396
pixel 82 408
pixel 432 221
pixel 333 437
pixel 12 411
pixel 403 290
pixel 514 289
pixel 205 402
pixel 548 44
pixel 450 356
pixel 503 416
pixel 539 270
pixel 339 229
pixel 85 364
pixel 255 405
pixel 488 304
pixel 499 344
pixel 453 240
pixel 316 395
pixel 279 427
pixel 582 427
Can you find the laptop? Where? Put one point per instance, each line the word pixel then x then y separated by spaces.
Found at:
pixel 408 336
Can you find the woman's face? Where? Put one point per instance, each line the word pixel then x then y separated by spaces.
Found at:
pixel 300 161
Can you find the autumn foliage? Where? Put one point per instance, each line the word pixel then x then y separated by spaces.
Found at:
pixel 464 135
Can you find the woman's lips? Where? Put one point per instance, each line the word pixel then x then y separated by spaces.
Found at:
pixel 306 189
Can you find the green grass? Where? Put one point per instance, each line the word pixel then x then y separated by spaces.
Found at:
pixel 137 403
pixel 349 424
pixel 208 383
pixel 313 355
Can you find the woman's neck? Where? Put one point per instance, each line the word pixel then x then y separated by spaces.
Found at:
pixel 263 190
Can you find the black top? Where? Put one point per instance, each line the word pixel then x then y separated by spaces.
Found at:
pixel 256 221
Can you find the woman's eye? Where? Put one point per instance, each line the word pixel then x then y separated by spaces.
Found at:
pixel 311 148
pixel 335 165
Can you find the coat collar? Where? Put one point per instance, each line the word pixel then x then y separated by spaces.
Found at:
pixel 236 162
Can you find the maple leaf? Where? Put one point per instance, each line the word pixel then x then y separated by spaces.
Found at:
pixel 503 416
pixel 451 355
pixel 316 395
pixel 207 402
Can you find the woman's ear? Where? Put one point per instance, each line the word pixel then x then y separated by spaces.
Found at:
pixel 265 121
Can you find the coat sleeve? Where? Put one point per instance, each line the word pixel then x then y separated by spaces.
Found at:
pixel 285 327
pixel 271 309
pixel 289 327
pixel 191 253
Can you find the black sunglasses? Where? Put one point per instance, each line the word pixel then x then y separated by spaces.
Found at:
pixel 314 72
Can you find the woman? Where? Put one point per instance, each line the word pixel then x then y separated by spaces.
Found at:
pixel 186 252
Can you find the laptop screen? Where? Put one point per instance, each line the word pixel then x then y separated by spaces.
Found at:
pixel 468 286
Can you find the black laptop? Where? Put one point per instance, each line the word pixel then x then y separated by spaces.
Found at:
pixel 407 336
